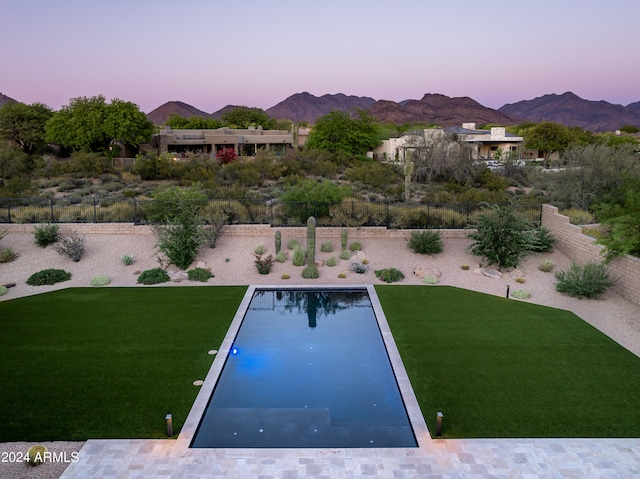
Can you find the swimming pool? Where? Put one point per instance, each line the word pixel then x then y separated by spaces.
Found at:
pixel 307 368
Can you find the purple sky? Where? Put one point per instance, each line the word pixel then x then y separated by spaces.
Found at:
pixel 257 53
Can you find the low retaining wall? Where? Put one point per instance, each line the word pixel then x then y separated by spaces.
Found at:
pixel 582 249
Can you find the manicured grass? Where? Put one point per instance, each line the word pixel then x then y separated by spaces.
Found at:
pixel 503 368
pixel 107 363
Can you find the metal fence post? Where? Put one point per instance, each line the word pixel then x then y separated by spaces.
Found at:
pixel 51 208
pixel 9 209
pixel 95 212
pixel 135 207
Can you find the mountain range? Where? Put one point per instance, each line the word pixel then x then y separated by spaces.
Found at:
pixel 567 109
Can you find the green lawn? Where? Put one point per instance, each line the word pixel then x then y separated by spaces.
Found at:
pixel 107 362
pixel 503 368
pixel 112 362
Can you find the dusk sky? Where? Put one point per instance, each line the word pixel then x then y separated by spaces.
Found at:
pixel 257 53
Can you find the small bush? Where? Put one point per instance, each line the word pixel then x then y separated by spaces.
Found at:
pixel 128 260
pixel 430 279
pixel 154 276
pixel 546 266
pixel 578 216
pixel 331 261
pixel 281 257
pixel 355 246
pixel 100 281
pixel 45 234
pixel 3 290
pixel 520 294
pixel 326 247
pixel 299 256
pixel 293 243
pixel 199 274
pixel 389 275
pixel 71 246
pixel 345 254
pixel 48 276
pixel 425 242
pixel 311 272
pixel 7 255
pixel 359 268
pixel 589 281
pixel 540 240
pixel 263 265
pixel 259 250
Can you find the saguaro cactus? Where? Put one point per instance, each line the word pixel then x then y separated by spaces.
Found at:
pixel 343 239
pixel 311 240
pixel 278 241
pixel 408 171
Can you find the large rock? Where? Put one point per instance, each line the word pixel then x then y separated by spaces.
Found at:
pixel 489 273
pixel 358 256
pixel 422 271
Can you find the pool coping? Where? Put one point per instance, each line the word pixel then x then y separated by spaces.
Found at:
pixel 414 413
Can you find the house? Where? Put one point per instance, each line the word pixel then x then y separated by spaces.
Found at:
pixel 245 142
pixel 485 144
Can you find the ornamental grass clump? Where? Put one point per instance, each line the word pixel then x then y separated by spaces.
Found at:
pixel 299 256
pixel 259 250
pixel 100 280
pixel 127 260
pixel 355 246
pixel 520 294
pixel 589 281
pixel 154 276
pixel 7 255
pixel 48 276
pixel 293 243
pixel 326 247
pixel 199 274
pixel 345 254
pixel 389 275
pixel 430 279
pixel 281 256
pixel 3 290
pixel 331 261
pixel 546 266
pixel 311 272
pixel 425 242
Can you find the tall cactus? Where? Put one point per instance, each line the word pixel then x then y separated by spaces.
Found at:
pixel 343 239
pixel 278 241
pixel 311 240
pixel 408 171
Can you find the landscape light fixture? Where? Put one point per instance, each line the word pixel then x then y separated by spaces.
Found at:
pixel 169 420
pixel 507 296
pixel 439 417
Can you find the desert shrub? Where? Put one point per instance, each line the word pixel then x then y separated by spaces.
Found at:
pixel 127 260
pixel 331 261
pixel 180 239
pixel 389 275
pixel 546 266
pixel 281 256
pixel 358 268
pixel 345 254
pixel 7 255
pixel 521 294
pixel 45 234
pixel 48 276
pixel 199 274
pixel 588 281
pixel 100 281
pixel 430 279
pixel 72 246
pixel 355 246
pixel 326 247
pixel 423 216
pixel 263 264
pixel 311 272
pixel 259 250
pixel 213 228
pixel 293 243
pixel 540 240
pixel 425 242
pixel 578 216
pixel 353 213
pixel 153 276
pixel 299 256
pixel 3 290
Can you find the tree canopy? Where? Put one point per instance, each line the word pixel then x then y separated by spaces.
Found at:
pixel 178 122
pixel 25 124
pixel 548 137
pixel 337 131
pixel 244 117
pixel 91 124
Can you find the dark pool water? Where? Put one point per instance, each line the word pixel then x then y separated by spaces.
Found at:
pixel 307 369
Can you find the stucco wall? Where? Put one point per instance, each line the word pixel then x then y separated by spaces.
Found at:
pixel 582 249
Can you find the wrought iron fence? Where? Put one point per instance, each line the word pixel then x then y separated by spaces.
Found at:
pixel 232 211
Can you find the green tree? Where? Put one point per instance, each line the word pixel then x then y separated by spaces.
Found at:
pixel 548 137
pixel 90 124
pixel 25 124
pixel 244 117
pixel 12 161
pixel 621 217
pixel 310 198
pixel 178 122
pixel 338 132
